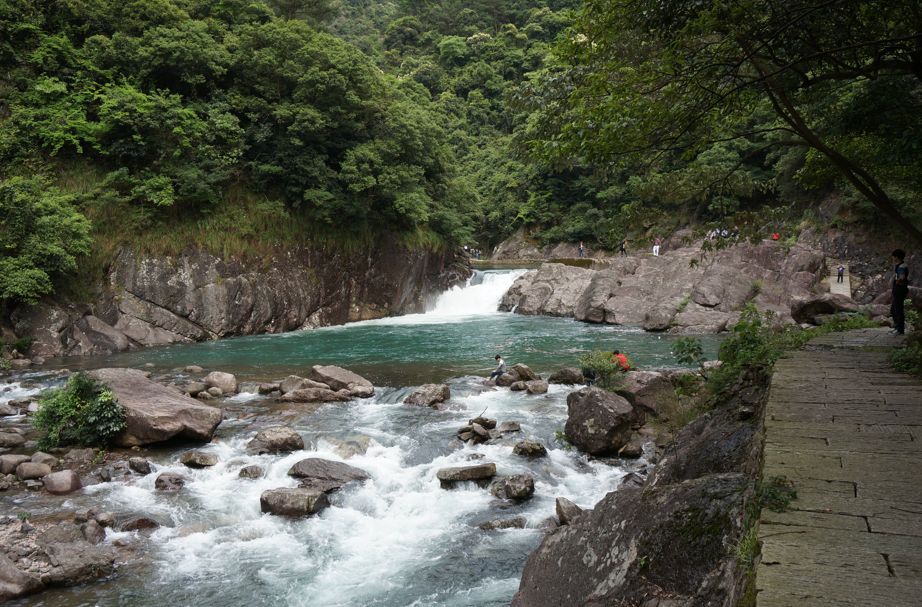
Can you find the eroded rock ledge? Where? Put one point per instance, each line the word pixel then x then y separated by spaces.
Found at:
pixel 680 291
pixel 196 296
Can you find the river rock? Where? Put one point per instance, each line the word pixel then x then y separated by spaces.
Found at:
pixel 517 386
pixel 646 390
pixel 9 462
pixel 478 472
pixel 81 456
pixel 351 445
pixel 252 471
pixel 315 395
pixel 11 440
pixel 567 511
pixel 567 375
pixel 536 386
pixel 509 427
pixel 204 395
pixel 198 459
pixel 636 543
pixel 632 450
pixel 486 422
pixel 428 395
pixel 530 448
pixel 598 422
pixel 293 382
pixel 325 475
pixel 517 522
pixel 194 388
pixel 62 483
pixel 342 379
pixel 139 465
pixel 193 369
pixel 216 392
pixel 277 439
pixel 808 309
pixel 30 470
pixel 267 388
pixel 6 410
pixel 293 501
pixel 15 583
pixel 93 532
pixel 226 382
pixel 139 523
pixel 518 487
pixel 40 457
pixel 169 481
pixel 79 562
pixel 156 413
pixel 20 363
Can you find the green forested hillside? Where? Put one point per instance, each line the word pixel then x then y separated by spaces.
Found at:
pixel 240 124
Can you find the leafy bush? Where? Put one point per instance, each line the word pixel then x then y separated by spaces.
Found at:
pixel 84 412
pixel 689 351
pixel 598 364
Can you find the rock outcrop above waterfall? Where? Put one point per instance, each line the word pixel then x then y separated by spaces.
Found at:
pixel 681 291
pixel 156 413
pixel 196 296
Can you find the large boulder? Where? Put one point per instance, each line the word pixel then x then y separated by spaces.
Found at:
pixel 598 422
pixel 198 459
pixel 552 290
pixel 293 382
pixel 156 413
pixel 226 382
pixel 315 395
pixel 169 481
pixel 277 439
pixel 342 379
pixel 15 583
pixel 647 390
pixel 807 309
pixel 293 501
pixel 567 375
pixel 536 386
pixel 428 395
pixel 325 475
pixel 637 543
pixel 9 462
pixel 62 483
pixel 11 440
pixel 30 470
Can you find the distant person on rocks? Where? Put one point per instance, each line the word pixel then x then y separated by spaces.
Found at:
pixel 840 273
pixel 582 249
pixel 620 359
pixel 900 290
pixel 776 236
pixel 622 248
pixel 500 367
pixel 656 245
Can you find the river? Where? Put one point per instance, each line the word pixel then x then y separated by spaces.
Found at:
pixel 396 540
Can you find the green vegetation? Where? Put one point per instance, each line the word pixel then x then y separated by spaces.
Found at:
pixel 689 351
pixel 597 364
pixel 776 493
pixel 82 413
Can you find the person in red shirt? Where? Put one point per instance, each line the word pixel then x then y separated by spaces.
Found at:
pixel 620 359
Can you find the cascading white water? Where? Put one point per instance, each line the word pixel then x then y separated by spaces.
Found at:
pixel 479 296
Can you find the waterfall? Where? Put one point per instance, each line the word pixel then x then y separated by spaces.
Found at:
pixel 479 296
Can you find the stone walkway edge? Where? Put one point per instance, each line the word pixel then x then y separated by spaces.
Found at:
pixel 846 429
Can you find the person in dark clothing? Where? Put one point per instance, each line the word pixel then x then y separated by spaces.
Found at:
pixel 840 273
pixel 623 247
pixel 500 367
pixel 900 290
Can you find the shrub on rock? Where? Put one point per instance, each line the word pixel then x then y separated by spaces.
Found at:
pixel 83 412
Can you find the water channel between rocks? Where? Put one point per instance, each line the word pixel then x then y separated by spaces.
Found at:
pixel 396 540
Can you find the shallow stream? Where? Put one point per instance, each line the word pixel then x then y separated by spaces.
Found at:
pixel 398 539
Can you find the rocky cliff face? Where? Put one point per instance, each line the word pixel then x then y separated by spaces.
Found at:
pixel 197 296
pixel 680 291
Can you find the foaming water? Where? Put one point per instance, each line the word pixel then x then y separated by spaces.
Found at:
pixel 398 539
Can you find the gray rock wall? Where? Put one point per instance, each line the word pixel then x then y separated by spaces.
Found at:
pixel 680 291
pixel 196 296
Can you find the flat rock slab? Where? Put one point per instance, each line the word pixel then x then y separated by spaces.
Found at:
pixel 844 429
pixel 155 413
pixel 325 475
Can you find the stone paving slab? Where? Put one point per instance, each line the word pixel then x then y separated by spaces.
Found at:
pixel 847 431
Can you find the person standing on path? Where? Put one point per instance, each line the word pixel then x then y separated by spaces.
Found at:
pixel 899 290
pixel 656 245
pixel 582 249
pixel 840 273
pixel 622 248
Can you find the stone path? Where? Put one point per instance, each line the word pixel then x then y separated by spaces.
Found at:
pixel 847 430
pixel 836 287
